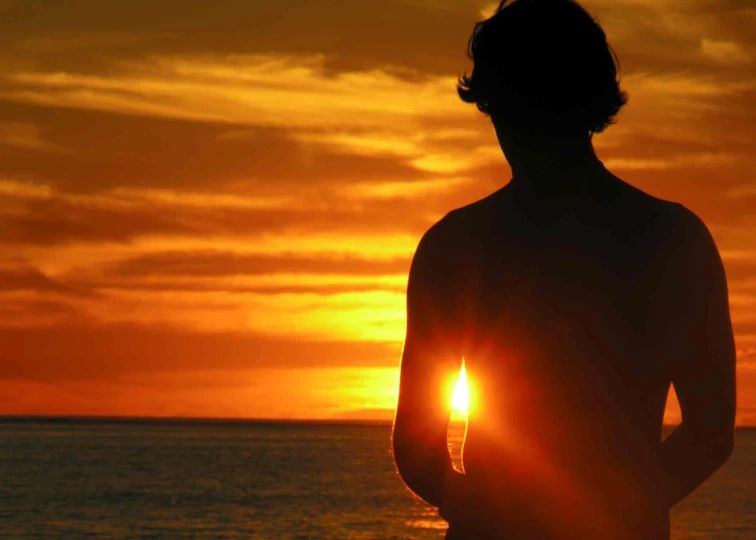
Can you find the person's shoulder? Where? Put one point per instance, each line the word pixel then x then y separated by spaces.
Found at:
pixel 639 199
pixel 677 227
pixel 465 222
pixel 446 245
pixel 454 225
pixel 442 235
pixel 438 258
pixel 680 223
pixel 690 223
pixel 693 236
pixel 663 218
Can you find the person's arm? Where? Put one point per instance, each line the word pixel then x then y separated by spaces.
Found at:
pixel 704 379
pixel 431 358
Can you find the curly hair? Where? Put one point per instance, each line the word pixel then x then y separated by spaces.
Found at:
pixel 543 65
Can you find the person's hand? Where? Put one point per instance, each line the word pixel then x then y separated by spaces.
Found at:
pixel 454 498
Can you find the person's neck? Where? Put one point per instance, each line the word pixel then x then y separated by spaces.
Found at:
pixel 538 156
pixel 541 155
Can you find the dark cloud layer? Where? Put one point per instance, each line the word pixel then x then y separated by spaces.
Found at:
pixel 354 35
pixel 215 264
pixel 100 150
pixel 59 221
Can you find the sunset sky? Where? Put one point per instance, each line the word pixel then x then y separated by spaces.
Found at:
pixel 209 208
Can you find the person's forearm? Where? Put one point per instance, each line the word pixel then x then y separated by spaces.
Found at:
pixel 687 461
pixel 454 501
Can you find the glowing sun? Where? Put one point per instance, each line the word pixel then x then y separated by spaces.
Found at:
pixel 460 395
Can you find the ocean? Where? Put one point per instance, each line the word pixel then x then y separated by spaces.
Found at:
pixel 189 479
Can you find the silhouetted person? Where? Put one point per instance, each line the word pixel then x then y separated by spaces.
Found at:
pixel 575 300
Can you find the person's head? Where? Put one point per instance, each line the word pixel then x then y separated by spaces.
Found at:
pixel 543 66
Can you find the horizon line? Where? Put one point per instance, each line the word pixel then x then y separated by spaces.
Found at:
pixel 53 418
pixel 187 419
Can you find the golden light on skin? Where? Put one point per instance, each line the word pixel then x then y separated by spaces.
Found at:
pixel 460 400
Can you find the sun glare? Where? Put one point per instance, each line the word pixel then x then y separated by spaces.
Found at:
pixel 460 395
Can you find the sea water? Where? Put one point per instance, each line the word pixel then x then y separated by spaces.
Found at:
pixel 178 479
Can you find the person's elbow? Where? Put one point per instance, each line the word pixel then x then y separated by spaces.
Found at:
pixel 718 444
pixel 721 447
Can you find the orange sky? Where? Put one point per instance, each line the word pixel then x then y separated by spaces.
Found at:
pixel 209 208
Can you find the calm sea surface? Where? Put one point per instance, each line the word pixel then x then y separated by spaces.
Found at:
pixel 265 480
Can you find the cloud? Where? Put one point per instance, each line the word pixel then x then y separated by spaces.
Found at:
pixel 667 37
pixel 219 263
pixel 176 153
pixel 427 35
pixel 20 277
pixel 712 160
pixel 24 190
pixel 310 305
pixel 27 309
pixel 207 392
pixel 47 221
pixel 726 52
pixel 33 214
pixel 268 90
pixel 79 353
pixel 376 315
pixel 25 135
